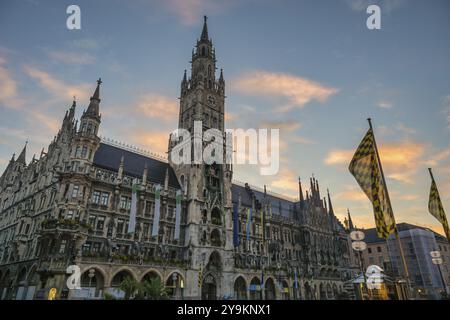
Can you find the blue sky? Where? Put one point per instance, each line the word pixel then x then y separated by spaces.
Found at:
pixel 310 68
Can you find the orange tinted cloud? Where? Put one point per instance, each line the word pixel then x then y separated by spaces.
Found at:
pixel 351 194
pixel 297 90
pixel 51 123
pixel 157 106
pixel 400 160
pixel 286 180
pixel 152 141
pixel 8 88
pixel 58 88
pixel 191 11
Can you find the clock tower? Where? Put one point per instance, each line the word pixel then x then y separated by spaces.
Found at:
pixel 206 186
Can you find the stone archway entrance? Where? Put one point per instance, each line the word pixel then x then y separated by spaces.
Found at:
pixel 209 288
pixel 240 289
pixel 269 289
pixel 212 272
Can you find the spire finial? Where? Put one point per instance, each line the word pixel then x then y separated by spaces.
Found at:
pixel 93 108
pixel 350 222
pixel 300 190
pixel 204 35
pixel 330 206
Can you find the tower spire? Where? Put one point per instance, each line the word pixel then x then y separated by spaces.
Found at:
pixel 330 206
pixel 22 156
pixel 350 222
pixel 204 35
pixel 93 108
pixel 72 108
pixel 300 191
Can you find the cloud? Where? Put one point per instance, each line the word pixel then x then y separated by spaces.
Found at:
pixel 296 90
pixel 230 116
pixel 69 57
pixel 49 122
pixel 157 106
pixel 191 11
pixel 400 160
pixel 285 180
pixel 87 43
pixel 339 157
pixel 385 104
pixel 286 125
pixel 438 157
pixel 302 140
pixel 8 88
pixel 154 141
pixel 405 129
pixel 351 193
pixel 56 87
pixel 395 130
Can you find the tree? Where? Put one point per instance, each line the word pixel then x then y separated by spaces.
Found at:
pixel 129 286
pixel 154 289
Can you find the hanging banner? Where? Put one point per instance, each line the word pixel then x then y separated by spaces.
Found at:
pixel 177 215
pixel 236 241
pixel 133 209
pixel 155 229
pixel 249 221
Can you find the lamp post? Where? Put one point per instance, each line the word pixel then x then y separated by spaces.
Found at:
pixel 359 246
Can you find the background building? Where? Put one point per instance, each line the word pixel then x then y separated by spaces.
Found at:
pixel 417 243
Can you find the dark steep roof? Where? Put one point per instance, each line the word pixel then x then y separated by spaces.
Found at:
pixel 280 206
pixel 108 157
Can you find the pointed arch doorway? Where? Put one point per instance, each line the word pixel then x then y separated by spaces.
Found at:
pixel 209 288
pixel 212 275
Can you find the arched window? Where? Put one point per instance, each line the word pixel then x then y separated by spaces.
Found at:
pixel 216 217
pixel 216 238
pixel 204 216
pixel 269 289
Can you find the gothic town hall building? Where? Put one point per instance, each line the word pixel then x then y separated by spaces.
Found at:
pixel 71 206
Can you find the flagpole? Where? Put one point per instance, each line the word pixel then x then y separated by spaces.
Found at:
pixel 405 267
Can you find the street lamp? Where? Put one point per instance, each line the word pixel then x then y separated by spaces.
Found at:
pixel 359 246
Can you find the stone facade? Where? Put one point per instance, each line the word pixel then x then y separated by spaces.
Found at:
pixel 72 206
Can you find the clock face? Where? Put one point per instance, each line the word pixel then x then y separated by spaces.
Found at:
pixel 211 100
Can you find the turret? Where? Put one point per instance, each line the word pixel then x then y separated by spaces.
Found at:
pixel 90 120
pixel 86 141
